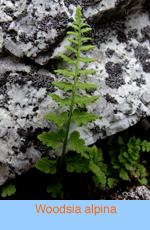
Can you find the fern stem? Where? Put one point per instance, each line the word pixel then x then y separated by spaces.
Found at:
pixel 72 102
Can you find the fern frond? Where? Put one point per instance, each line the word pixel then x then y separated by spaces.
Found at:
pixel 87 86
pixel 86 48
pixel 82 101
pixel 81 118
pixel 67 59
pixel 63 85
pixel 85 39
pixel 76 163
pixel 86 71
pixel 75 27
pixel 76 144
pixel 52 139
pixel 47 166
pixel 85 30
pixel 73 41
pixel 86 60
pixel 65 72
pixel 65 101
pixel 83 24
pixel 8 190
pixel 73 33
pixel 58 120
pixel 71 49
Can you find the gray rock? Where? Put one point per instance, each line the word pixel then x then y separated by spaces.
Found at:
pixel 135 193
pixel 32 35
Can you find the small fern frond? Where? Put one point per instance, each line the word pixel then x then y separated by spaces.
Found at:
pixel 63 85
pixel 58 120
pixel 47 166
pixel 65 72
pixel 86 60
pixel 71 49
pixel 76 144
pixel 73 41
pixel 65 101
pixel 82 118
pixel 67 59
pixel 82 101
pixel 87 86
pixel 52 139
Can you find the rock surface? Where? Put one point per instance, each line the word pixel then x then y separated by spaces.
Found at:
pixel 32 35
pixel 136 193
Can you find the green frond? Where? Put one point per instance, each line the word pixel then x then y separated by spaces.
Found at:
pixel 73 33
pixel 75 27
pixel 85 30
pixel 65 101
pixel 123 174
pixel 67 59
pixel 58 120
pixel 83 24
pixel 78 12
pixel 76 144
pixel 100 176
pixel 8 190
pixel 73 41
pixel 55 190
pixel 82 118
pixel 86 60
pixel 86 48
pixel 85 39
pixel 65 72
pixel 87 86
pixel 82 101
pixel 86 71
pixel 77 164
pixel 63 85
pixel 71 49
pixel 47 166
pixel 52 139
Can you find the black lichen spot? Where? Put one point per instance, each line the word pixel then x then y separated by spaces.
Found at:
pixel 5 26
pixel 132 34
pixel 121 36
pixel 146 33
pixel 9 11
pixel 38 81
pixel 13 35
pixel 141 53
pixel 30 137
pixel 59 22
pixel 140 81
pixel 23 38
pixel 115 79
pixel 110 99
pixel 146 67
pixel 109 52
pixel 113 69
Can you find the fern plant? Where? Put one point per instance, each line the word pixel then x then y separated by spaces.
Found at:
pixel 88 158
pixel 124 160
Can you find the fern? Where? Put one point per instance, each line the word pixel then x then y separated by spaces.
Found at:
pixel 85 161
pixel 124 159
pixel 8 190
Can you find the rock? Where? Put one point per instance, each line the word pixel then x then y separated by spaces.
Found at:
pixel 135 193
pixel 33 33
